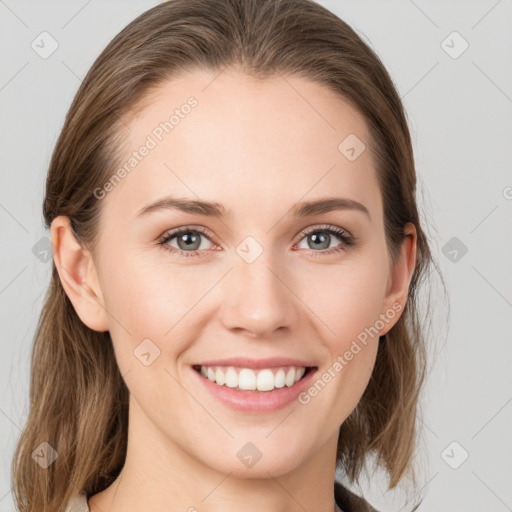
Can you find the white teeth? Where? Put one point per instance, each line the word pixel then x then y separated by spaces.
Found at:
pixel 279 379
pixel 231 378
pixel 248 379
pixel 219 377
pixel 265 380
pixel 290 377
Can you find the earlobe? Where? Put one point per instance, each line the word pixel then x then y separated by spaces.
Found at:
pixel 78 275
pixel 400 277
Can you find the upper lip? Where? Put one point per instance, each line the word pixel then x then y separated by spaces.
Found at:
pixel 244 362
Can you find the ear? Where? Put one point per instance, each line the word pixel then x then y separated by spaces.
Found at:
pixel 78 275
pixel 400 277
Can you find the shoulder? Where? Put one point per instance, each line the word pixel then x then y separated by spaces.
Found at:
pixel 78 504
pixel 350 502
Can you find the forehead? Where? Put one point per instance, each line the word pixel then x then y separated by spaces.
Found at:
pixel 257 146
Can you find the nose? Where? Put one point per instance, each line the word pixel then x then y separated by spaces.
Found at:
pixel 258 298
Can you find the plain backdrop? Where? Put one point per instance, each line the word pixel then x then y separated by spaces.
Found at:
pixel 452 65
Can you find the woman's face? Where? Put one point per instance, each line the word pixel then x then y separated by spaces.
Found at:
pixel 257 277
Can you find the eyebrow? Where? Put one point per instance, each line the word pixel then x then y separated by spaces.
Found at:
pixel 214 209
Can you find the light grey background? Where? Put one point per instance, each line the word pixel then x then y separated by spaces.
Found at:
pixel 460 114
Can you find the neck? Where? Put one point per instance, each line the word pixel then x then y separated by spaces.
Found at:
pixel 159 475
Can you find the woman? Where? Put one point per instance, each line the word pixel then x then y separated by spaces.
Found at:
pixel 196 351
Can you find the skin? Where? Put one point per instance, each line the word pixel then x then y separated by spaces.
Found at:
pixel 257 147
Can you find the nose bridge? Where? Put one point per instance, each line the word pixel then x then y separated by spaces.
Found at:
pixel 256 296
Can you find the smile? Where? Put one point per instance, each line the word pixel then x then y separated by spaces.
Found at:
pixel 248 379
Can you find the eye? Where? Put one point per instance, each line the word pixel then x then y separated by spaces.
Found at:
pixel 321 238
pixel 188 241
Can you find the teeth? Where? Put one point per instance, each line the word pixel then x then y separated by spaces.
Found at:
pixel 290 377
pixel 219 377
pixel 247 379
pixel 231 378
pixel 265 380
pixel 279 378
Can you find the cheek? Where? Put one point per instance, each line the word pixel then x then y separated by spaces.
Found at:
pixel 344 298
pixel 346 309
pixel 347 302
pixel 156 302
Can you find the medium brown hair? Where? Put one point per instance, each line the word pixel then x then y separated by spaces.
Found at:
pixel 78 398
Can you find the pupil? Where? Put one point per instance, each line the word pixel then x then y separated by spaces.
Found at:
pixel 188 240
pixel 324 237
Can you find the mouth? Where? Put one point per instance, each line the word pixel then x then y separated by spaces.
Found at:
pixel 256 380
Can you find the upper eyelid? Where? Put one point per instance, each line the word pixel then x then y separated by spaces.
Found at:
pixel 171 233
pixel 322 227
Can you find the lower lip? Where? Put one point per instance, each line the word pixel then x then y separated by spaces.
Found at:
pixel 256 401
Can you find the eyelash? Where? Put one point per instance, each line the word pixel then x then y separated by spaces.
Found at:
pixel 346 239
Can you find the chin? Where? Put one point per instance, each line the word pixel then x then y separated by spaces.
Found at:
pixel 248 461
